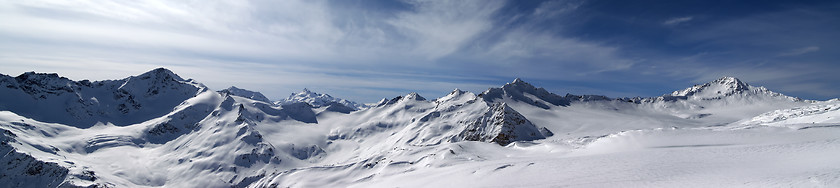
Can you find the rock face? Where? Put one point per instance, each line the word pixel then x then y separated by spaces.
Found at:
pixel 521 91
pixel 23 170
pixel 502 125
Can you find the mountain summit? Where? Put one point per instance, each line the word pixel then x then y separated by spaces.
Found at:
pixel 318 100
pixel 726 87
pixel 521 91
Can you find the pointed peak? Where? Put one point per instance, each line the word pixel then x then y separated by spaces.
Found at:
pixel 160 73
pixel 518 82
pixel 457 92
pixel 305 90
pixel 415 96
pixel 731 82
pixel 724 86
pixel 161 70
pixel 728 79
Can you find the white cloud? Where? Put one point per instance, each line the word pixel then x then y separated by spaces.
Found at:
pixel 439 28
pixel 677 20
pixel 284 46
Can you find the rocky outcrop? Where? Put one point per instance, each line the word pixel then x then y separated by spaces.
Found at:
pixel 502 125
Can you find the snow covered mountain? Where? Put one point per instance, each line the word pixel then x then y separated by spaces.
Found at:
pixel 318 100
pixel 522 91
pixel 159 130
pixel 727 87
pixel 50 98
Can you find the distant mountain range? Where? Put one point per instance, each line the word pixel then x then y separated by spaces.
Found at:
pixel 158 129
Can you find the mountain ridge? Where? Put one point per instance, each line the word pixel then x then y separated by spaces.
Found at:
pixel 232 137
pixel 318 100
pixel 126 101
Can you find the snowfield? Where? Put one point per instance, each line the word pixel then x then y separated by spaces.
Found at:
pixel 160 130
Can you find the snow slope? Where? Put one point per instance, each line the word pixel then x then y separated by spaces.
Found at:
pixel 180 134
pixel 233 90
pixel 820 114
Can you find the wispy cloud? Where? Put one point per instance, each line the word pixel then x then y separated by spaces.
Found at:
pixel 439 28
pixel 421 45
pixel 800 51
pixel 677 21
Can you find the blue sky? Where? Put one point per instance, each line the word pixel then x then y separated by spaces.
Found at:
pixel 364 50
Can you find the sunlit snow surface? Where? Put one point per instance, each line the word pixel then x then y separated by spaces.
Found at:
pixel 722 134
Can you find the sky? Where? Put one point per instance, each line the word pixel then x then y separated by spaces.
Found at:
pixel 365 50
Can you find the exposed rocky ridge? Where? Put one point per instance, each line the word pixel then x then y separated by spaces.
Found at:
pixel 50 98
pixel 522 91
pixel 502 125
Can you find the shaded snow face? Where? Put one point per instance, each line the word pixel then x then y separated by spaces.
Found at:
pixel 245 93
pixel 50 98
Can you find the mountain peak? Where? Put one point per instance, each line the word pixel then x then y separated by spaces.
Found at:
pixel 502 125
pixel 456 95
pixel 456 92
pixel 731 81
pixel 317 100
pixel 729 78
pixel 31 75
pixel 415 96
pixel 724 87
pixel 517 91
pixel 160 73
pixel 519 82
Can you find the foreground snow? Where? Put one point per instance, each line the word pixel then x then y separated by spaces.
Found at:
pixel 724 133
